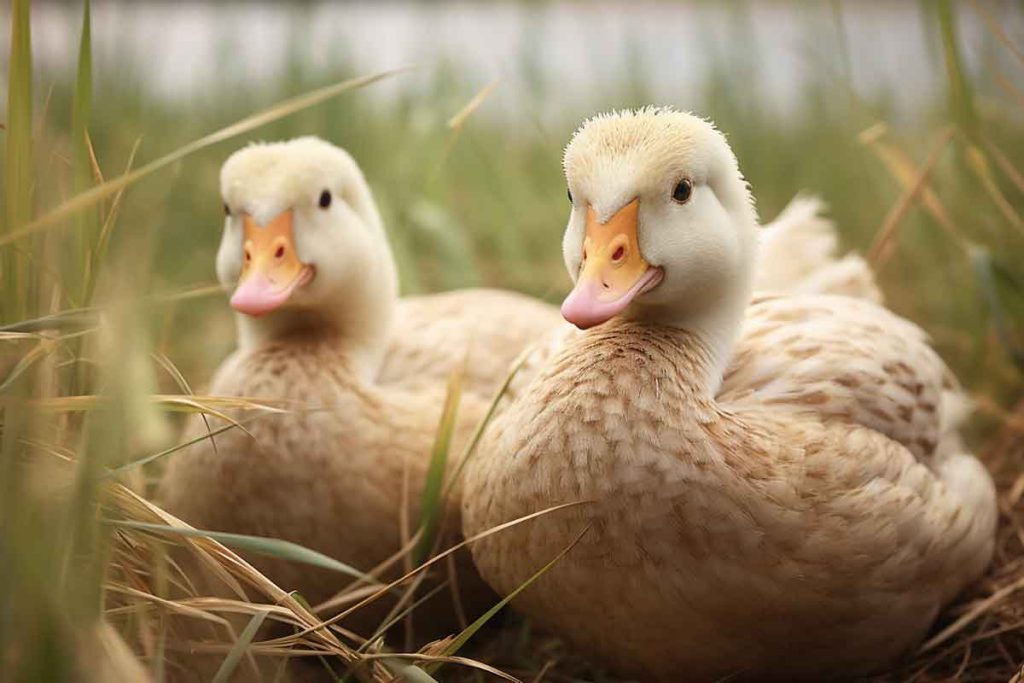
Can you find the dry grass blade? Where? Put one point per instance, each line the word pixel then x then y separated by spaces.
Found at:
pixel 211 405
pixel 226 566
pixel 974 613
pixel 98 252
pixel 441 556
pixel 904 170
pixel 240 648
pixel 977 162
pixel 76 318
pixel 73 319
pixel 1005 165
pixel 41 350
pixel 456 122
pixel 171 369
pixel 172 605
pixel 995 29
pixel 443 659
pixel 463 637
pixel 100 192
pixel 882 246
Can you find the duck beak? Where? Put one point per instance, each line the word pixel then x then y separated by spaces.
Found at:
pixel 272 269
pixel 613 271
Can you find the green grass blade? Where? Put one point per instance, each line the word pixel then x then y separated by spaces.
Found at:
pixel 409 673
pixel 470 630
pixel 91 197
pixel 81 158
pixel 268 547
pixel 18 158
pixel 961 96
pixel 237 651
pixel 72 319
pixel 478 433
pixel 431 507
pixel 985 272
pixel 81 105
pixel 117 471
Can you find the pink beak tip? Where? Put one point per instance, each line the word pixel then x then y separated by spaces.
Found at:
pixel 583 309
pixel 257 296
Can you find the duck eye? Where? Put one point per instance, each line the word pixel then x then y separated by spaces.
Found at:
pixel 325 199
pixel 683 191
pixel 568 192
pixel 227 209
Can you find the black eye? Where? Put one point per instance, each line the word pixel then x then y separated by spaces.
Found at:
pixel 325 199
pixel 227 210
pixel 568 192
pixel 683 191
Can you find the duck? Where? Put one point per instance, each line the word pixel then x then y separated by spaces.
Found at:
pixel 727 486
pixel 306 262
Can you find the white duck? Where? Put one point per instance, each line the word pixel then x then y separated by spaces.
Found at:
pixel 809 521
pixel 315 290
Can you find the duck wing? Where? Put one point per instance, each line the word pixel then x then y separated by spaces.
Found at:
pixel 846 359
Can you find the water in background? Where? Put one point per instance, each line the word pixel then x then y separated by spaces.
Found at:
pixel 578 50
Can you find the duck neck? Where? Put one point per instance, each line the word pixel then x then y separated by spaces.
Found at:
pixel 713 327
pixel 359 332
pixel 715 331
pixel 359 319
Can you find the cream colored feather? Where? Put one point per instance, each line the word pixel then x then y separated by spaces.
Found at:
pixel 805 516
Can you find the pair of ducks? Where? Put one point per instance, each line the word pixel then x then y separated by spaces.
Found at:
pixel 768 486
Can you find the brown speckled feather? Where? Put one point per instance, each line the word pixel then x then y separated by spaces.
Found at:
pixel 327 475
pixel 722 532
pixel 847 359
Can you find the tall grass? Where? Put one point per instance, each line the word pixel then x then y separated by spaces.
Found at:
pixel 106 267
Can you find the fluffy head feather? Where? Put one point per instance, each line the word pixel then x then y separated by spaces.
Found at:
pixel 704 245
pixel 355 284
pixel 266 178
pixel 630 152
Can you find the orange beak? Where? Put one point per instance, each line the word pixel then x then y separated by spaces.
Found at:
pixel 272 269
pixel 613 271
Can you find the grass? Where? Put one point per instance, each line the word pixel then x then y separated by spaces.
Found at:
pixel 106 253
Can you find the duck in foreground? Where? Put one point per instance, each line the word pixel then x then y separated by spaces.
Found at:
pixel 804 515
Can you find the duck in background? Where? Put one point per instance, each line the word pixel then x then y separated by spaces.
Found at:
pixel 315 293
pixel 767 488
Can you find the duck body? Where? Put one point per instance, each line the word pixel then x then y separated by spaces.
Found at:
pixel 327 474
pixel 763 488
pixel 342 468
pixel 753 543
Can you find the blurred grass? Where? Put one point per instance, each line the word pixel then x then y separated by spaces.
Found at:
pixel 468 200
pixel 486 205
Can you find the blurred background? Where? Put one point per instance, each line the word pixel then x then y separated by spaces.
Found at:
pixel 905 117
pixel 794 85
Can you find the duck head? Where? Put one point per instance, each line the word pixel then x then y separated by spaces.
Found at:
pixel 303 243
pixel 662 227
